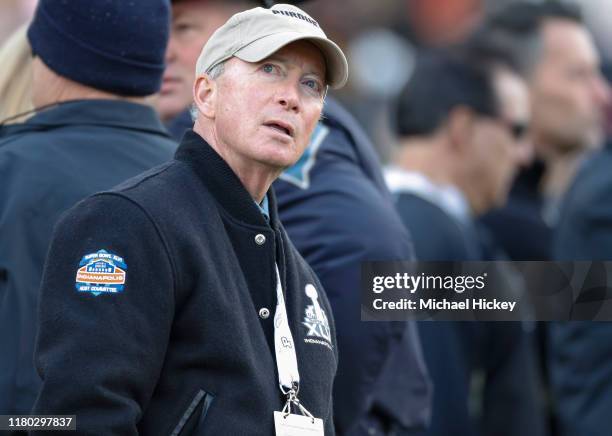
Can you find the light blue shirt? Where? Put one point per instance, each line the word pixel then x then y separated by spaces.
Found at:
pixel 263 207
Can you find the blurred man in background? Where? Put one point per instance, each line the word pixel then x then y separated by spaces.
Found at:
pixel 461 124
pixel 338 212
pixel 94 71
pixel 580 352
pixel 193 22
pixel 569 97
pixel 457 144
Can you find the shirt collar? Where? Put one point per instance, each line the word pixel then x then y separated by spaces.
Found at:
pixel 263 207
pixel 447 197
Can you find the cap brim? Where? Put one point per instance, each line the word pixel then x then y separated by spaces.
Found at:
pixel 336 64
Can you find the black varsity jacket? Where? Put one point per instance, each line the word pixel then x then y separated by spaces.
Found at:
pixel 157 308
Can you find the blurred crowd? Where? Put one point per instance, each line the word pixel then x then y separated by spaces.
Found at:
pixel 391 33
pixel 489 128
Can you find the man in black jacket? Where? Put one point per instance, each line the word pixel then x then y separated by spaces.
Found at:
pixel 184 278
pixel 338 212
pixel 94 68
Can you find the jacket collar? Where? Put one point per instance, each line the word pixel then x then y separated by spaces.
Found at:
pixel 109 113
pixel 223 183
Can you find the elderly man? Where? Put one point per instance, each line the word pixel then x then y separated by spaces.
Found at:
pixel 175 303
pixel 385 390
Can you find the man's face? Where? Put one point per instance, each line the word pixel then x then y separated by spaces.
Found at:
pixel 569 94
pixel 193 22
pixel 499 145
pixel 265 112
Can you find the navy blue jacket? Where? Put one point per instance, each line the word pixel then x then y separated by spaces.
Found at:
pixel 339 213
pixel 58 157
pixel 455 351
pixel 581 352
pixel 519 226
pixel 184 346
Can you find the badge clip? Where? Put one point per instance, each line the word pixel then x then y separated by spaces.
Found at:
pixel 292 399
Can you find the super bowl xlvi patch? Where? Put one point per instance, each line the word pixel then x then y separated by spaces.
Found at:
pixel 315 320
pixel 101 273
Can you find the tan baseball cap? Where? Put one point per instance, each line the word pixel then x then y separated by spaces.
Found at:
pixel 255 34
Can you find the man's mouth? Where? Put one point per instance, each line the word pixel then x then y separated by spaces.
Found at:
pixel 281 127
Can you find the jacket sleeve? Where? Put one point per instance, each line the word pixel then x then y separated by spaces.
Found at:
pixel 100 356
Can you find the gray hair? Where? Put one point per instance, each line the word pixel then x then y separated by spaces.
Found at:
pixel 214 74
pixel 216 70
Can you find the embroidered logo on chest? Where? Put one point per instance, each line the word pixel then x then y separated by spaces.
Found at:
pixel 315 320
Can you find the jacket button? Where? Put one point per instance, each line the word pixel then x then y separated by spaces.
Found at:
pixel 264 313
pixel 260 239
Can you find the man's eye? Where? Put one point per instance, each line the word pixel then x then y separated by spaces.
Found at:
pixel 313 84
pixel 268 68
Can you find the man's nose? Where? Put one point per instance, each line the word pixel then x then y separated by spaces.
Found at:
pixel 288 96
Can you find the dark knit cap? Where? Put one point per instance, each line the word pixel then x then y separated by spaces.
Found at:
pixel 111 45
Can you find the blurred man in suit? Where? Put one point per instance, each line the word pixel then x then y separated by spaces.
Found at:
pixel 568 97
pixel 461 124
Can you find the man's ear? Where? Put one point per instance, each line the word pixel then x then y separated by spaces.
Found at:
pixel 205 95
pixel 460 126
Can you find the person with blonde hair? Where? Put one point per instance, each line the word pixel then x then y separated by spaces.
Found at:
pixel 15 77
